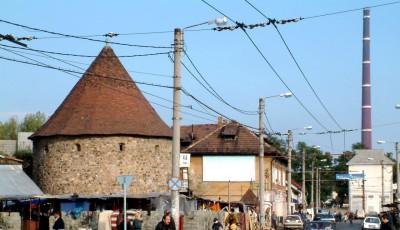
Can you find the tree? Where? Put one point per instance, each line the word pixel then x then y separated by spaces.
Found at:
pixel 278 143
pixel 32 122
pixel 357 145
pixel 9 129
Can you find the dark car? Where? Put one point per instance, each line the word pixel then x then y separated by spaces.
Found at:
pixel 320 225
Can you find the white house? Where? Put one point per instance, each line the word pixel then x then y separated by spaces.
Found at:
pixel 378 180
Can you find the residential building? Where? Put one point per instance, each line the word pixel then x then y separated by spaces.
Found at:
pixel 224 164
pixel 375 190
pixel 104 128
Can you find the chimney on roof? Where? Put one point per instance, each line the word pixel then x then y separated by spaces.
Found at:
pixel 220 121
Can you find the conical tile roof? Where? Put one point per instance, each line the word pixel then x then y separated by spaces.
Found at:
pixel 105 101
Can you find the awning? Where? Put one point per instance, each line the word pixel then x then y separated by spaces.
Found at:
pixel 15 184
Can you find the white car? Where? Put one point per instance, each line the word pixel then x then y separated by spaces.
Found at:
pixel 371 222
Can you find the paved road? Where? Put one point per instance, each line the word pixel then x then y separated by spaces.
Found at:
pixel 342 226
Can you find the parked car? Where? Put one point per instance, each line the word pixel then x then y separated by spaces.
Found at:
pixel 293 222
pixel 371 222
pixel 360 214
pixel 325 217
pixel 320 225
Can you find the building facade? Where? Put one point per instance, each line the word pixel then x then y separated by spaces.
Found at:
pixel 376 189
pixel 225 164
pixel 103 129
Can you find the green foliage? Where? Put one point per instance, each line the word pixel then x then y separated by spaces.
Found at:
pixel 9 129
pixel 357 145
pixel 278 143
pixel 32 122
pixel 26 156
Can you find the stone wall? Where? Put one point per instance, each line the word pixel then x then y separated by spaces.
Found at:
pixel 90 165
pixel 10 221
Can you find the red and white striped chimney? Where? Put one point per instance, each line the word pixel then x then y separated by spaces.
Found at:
pixel 366 130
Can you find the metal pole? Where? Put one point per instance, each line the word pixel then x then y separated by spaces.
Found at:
pixel 289 174
pixel 124 206
pixel 383 189
pixel 303 185
pixel 229 196
pixel 363 191
pixel 261 162
pixel 178 44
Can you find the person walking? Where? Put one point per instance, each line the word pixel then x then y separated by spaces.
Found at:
pixel 165 223
pixel 386 225
pixel 137 221
pixel 232 220
pixel 217 225
pixel 59 224
pixel 351 217
pixel 274 220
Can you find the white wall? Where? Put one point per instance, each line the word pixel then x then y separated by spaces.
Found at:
pixel 373 187
pixel 229 168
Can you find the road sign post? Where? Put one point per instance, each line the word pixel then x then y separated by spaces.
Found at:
pixel 125 181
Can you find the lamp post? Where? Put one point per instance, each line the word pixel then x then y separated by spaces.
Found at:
pixel 317 147
pixel 176 117
pixel 261 113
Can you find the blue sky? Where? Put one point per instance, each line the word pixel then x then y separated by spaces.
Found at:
pixel 327 48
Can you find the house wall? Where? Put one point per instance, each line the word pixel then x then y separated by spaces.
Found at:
pixel 60 168
pixel 373 187
pixel 8 146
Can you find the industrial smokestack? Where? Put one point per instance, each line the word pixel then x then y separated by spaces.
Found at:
pixel 366 130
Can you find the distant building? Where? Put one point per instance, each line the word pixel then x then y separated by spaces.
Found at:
pixel 104 128
pixel 224 165
pixel 377 188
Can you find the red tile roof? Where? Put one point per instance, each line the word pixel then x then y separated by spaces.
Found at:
pixel 231 138
pixel 105 101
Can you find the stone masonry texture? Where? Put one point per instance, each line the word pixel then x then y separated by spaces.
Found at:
pixel 89 165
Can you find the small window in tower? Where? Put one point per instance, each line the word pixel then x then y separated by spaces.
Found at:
pixel 157 149
pixel 46 148
pixel 78 147
pixel 121 147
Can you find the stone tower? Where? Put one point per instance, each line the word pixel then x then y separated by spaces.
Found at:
pixel 104 128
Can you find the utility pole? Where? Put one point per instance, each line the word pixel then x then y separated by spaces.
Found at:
pixel 317 193
pixel 261 162
pixel 312 184
pixel 178 45
pixel 363 190
pixel 397 170
pixel 289 174
pixel 383 184
pixel 303 185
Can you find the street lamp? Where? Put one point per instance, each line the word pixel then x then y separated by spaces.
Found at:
pixel 219 21
pixel 396 147
pixel 397 106
pixel 261 113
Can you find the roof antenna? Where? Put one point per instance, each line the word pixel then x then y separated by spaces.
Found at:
pixel 108 36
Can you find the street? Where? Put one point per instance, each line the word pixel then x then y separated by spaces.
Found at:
pixel 342 226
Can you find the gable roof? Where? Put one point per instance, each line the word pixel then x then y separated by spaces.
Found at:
pixel 230 138
pixel 249 198
pixel 15 184
pixel 105 101
pixel 370 157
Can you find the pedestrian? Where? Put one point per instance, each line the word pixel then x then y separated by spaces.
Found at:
pixel 386 225
pixel 137 221
pixel 351 217
pixel 346 217
pixel 59 224
pixel 274 220
pixel 165 223
pixel 232 220
pixel 168 212
pixel 340 216
pixel 217 225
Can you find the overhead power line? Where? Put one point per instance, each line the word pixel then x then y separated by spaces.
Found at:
pixel 272 68
pixel 83 38
pixel 83 55
pixel 92 74
pixel 298 66
pixel 349 10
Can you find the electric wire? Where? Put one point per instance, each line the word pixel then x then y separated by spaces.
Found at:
pixel 272 68
pixel 84 38
pixel 83 55
pixel 349 10
pixel 298 66
pixel 92 74
pixel 268 122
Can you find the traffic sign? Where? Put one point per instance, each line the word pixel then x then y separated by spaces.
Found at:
pixel 352 176
pixel 174 184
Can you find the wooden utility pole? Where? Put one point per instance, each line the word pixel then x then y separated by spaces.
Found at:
pixel 178 45
pixel 289 173
pixel 261 161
